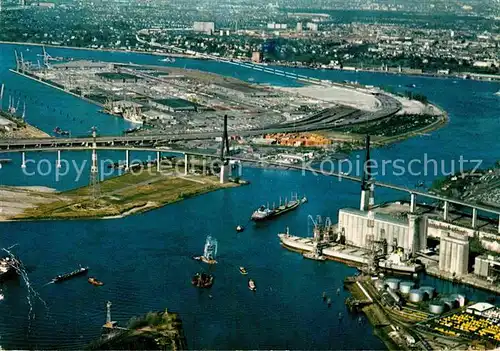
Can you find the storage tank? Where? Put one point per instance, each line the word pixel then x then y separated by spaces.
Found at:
pixel 459 298
pixel 416 295
pixel 450 303
pixel 429 291
pixel 406 286
pixel 379 284
pixel 393 283
pixel 436 307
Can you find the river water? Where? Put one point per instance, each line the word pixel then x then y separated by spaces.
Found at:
pixel 145 261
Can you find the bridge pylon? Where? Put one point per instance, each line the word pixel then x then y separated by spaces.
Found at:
pixel 94 171
pixel 225 168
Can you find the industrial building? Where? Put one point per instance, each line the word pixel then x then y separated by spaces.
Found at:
pixel 454 254
pixel 487 266
pixel 115 76
pixel 204 27
pixel 362 228
pixel 174 105
pixel 241 91
pixel 257 57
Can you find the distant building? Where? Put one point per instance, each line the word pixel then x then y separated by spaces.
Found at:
pixel 313 27
pixel 204 27
pixel 257 57
pixel 48 5
pixel 273 25
pixel 454 253
pixel 299 27
pixel 174 105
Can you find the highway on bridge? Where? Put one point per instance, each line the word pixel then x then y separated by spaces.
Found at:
pixel 304 168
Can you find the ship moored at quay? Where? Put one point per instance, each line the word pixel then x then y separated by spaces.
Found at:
pixel 321 247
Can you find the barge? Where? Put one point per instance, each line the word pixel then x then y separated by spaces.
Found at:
pixel 62 277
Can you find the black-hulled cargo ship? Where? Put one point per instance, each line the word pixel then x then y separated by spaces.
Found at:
pixel 62 277
pixel 265 212
pixel 9 268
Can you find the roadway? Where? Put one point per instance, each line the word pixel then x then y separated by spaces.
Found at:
pixel 262 162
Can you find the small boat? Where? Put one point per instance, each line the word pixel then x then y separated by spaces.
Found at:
pixel 240 228
pixel 77 272
pixel 95 282
pixel 202 280
pixel 251 285
pixel 243 271
pixel 209 252
pixel 5 161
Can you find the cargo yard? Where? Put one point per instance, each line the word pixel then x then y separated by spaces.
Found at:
pixel 406 316
pixel 167 99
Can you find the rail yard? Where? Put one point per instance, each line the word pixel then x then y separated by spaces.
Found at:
pixel 167 99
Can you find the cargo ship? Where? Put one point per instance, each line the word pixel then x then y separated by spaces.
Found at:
pixel 209 251
pixel 265 212
pixel 9 268
pixel 62 277
pixel 312 248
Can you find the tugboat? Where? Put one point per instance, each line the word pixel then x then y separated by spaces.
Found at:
pixel 243 271
pixel 202 280
pixel 95 282
pixel 251 285
pixel 264 212
pixel 9 268
pixel 209 252
pixel 62 277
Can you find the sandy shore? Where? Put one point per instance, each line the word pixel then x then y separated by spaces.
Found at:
pixel 15 200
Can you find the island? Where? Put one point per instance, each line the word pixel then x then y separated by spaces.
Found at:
pixel 120 196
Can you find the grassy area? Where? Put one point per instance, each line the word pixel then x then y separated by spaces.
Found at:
pixel 153 331
pixel 124 195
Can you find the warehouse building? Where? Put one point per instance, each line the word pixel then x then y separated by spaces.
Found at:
pixel 487 266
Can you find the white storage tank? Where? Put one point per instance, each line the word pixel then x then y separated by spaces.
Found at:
pixel 459 298
pixel 406 286
pixel 393 283
pixel 436 307
pixel 416 295
pixel 379 284
pixel 429 291
pixel 450 303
